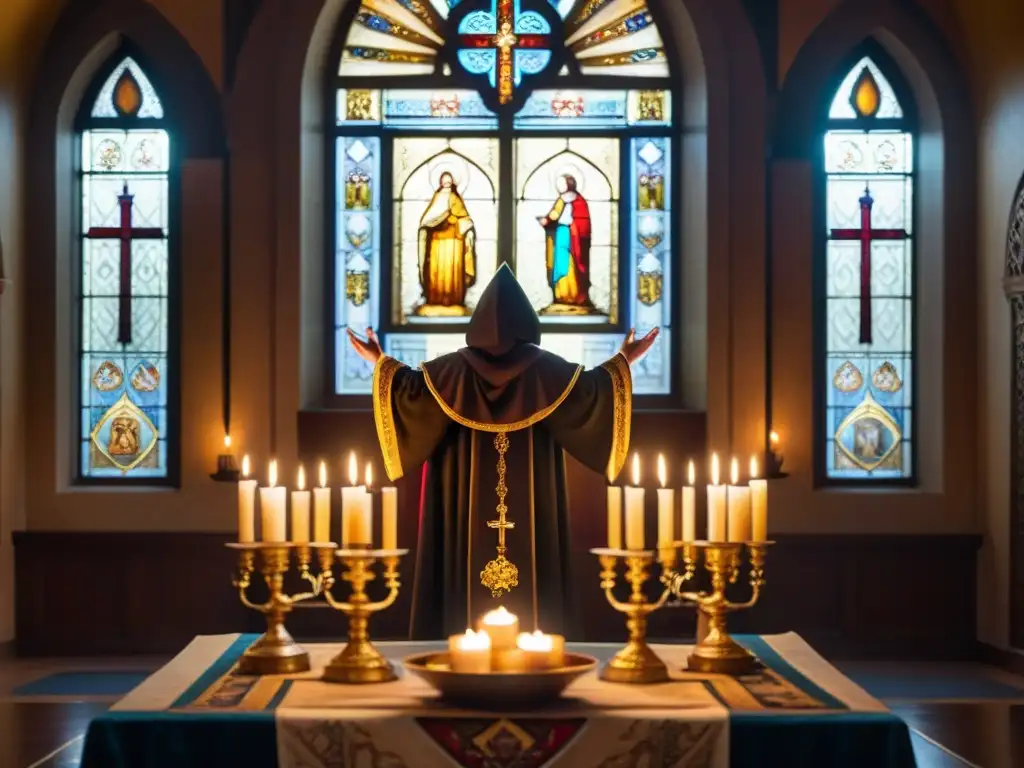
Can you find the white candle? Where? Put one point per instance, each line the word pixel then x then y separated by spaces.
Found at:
pixel 739 506
pixel 272 509
pixel 389 518
pixel 502 626
pixel 470 653
pixel 367 512
pixel 538 650
pixel 635 509
pixel 614 517
pixel 322 508
pixel 300 509
pixel 758 504
pixel 690 506
pixel 246 505
pixel 716 504
pixel 353 502
pixel 666 506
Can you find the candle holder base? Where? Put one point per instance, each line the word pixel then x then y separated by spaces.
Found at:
pixel 636 663
pixel 719 654
pixel 358 664
pixel 275 653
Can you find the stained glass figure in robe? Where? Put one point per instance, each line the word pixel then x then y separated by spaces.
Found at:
pixel 567 250
pixel 447 257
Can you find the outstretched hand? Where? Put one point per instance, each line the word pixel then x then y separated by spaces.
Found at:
pixel 368 349
pixel 633 349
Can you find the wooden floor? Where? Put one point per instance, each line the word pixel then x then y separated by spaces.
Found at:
pixel 47 732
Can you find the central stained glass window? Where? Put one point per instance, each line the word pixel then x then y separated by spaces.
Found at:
pixel 486 131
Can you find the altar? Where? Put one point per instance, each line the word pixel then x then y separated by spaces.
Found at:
pixel 794 710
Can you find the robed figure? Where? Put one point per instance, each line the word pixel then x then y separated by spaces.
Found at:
pixel 567 249
pixel 449 416
pixel 447 251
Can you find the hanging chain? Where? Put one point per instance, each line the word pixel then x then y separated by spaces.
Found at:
pixel 500 575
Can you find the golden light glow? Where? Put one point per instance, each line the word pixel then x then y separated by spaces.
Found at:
pixel 369 475
pixel 273 473
pixel 662 471
pixel 691 472
pixel 227 441
pixel 773 439
pixel 714 469
pixel 636 470
pixel 734 471
pixel 323 474
pixel 353 469
pixel 246 468
pixel 753 467
pixel 866 96
pixel 300 481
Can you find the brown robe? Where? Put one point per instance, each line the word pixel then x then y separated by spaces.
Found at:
pixel 445 416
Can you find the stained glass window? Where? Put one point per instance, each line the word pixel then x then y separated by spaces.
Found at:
pixel 869 280
pixel 125 283
pixel 532 132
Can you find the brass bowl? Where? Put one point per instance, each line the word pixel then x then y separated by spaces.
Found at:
pixel 498 690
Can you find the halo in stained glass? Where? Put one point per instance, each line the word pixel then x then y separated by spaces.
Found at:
pixel 127 92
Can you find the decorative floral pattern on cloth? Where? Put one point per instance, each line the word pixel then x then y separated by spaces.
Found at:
pixel 501 742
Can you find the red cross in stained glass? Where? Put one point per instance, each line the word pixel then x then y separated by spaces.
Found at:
pixel 505 40
pixel 866 235
pixel 126 233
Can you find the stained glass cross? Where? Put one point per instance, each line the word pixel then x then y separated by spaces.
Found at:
pixel 508 29
pixel 866 236
pixel 126 233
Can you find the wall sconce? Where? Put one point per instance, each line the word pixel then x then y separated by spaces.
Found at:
pixel 227 467
pixel 773 457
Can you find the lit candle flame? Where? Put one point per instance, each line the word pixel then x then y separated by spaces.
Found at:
pixel 662 471
pixel 323 474
pixel 753 467
pixel 300 482
pixel 353 469
pixel 245 466
pixel 734 471
pixel 714 469
pixel 369 475
pixel 691 473
pixel 227 441
pixel 636 470
pixel 773 439
pixel 273 473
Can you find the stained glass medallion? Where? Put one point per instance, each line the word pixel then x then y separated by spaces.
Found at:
pixel 869 281
pixel 125 286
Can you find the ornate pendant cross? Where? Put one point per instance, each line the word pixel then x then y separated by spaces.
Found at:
pixel 126 233
pixel 866 235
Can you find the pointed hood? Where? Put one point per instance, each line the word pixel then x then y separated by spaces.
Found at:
pixel 503 317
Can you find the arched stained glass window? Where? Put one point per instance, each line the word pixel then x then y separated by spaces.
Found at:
pixel 124 351
pixel 868 329
pixel 478 132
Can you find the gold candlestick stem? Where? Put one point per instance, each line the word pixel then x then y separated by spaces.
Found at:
pixel 359 661
pixel 717 652
pixel 636 663
pixel 275 652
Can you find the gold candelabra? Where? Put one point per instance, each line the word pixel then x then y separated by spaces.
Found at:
pixel 636 663
pixel 359 661
pixel 275 652
pixel 717 652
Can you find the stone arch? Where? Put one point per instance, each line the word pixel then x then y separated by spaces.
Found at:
pixel 1013 284
pixel 723 85
pixel 911 43
pixel 79 46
